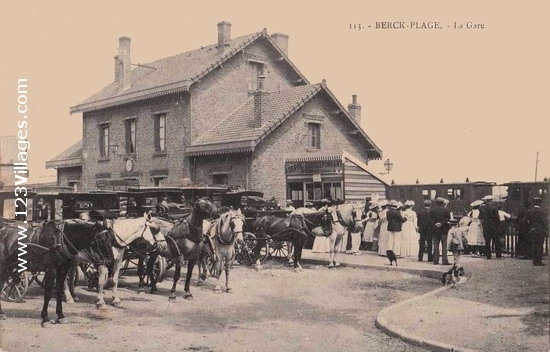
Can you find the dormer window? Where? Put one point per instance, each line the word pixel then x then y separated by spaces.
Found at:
pixel 255 70
pixel 314 131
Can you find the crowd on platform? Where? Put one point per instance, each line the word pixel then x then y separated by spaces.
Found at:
pixel 393 225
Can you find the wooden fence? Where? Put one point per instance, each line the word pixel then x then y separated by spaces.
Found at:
pixel 510 241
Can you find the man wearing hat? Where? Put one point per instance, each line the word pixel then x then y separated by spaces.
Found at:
pixel 395 225
pixel 325 204
pixel 490 221
pixel 309 205
pixel 439 218
pixel 537 220
pixel 425 228
pixel 289 206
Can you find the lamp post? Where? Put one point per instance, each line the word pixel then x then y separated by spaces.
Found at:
pixel 388 165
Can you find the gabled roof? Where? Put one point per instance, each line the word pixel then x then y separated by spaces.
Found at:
pixel 173 74
pixel 69 158
pixel 278 105
pixel 236 132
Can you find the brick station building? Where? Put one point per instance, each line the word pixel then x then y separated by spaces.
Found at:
pixel 235 113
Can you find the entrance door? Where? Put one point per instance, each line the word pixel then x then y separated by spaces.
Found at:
pixel 295 192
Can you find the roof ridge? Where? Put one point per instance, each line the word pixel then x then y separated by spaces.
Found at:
pixel 214 45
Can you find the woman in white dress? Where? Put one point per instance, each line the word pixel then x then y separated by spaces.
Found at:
pixel 409 231
pixel 371 226
pixel 476 241
pixel 384 236
pixel 322 244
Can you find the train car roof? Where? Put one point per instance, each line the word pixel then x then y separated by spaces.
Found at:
pixel 476 183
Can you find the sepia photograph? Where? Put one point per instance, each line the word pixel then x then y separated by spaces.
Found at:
pixel 284 176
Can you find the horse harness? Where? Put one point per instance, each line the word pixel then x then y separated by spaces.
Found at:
pixel 170 236
pixel 120 243
pixel 220 239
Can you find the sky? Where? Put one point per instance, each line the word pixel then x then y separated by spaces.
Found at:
pixel 442 103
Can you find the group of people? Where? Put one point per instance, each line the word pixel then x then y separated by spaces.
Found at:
pixel 396 226
pixel 391 226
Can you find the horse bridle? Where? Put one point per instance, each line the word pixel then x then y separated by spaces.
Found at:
pixel 64 240
pixel 233 232
pixel 323 222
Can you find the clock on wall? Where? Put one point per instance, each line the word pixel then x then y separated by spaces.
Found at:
pixel 129 165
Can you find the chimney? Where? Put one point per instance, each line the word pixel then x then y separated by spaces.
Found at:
pixel 224 34
pixel 260 103
pixel 354 110
pixel 282 41
pixel 118 69
pixel 124 62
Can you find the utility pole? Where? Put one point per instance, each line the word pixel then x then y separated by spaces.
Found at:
pixel 536 166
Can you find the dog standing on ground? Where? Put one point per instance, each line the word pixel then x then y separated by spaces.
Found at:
pixel 391 256
pixel 452 277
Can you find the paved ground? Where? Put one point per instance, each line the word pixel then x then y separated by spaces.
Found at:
pixel 271 310
pixel 503 305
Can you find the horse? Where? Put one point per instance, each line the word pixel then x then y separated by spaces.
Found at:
pixel 345 217
pixel 223 232
pixel 51 248
pixel 183 241
pixel 294 228
pixel 125 232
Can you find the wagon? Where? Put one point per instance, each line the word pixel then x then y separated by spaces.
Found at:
pixel 257 245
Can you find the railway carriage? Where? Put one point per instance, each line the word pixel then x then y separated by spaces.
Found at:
pixel 460 195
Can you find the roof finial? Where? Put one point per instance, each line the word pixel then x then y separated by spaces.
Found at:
pixel 324 82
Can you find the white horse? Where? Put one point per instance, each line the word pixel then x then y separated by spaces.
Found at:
pixel 224 232
pixel 345 217
pixel 126 231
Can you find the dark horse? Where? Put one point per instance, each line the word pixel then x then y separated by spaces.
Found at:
pixel 51 248
pixel 182 241
pixel 295 228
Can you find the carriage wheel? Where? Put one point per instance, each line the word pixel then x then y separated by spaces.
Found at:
pixel 91 274
pixel 159 271
pixel 245 252
pixel 211 265
pixel 16 287
pixel 278 249
pixel 123 267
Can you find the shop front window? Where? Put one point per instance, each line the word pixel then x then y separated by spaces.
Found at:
pixel 333 190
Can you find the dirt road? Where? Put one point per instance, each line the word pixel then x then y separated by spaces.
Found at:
pixel 271 310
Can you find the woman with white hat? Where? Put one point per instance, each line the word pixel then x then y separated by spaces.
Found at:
pixel 409 231
pixel 476 241
pixel 371 226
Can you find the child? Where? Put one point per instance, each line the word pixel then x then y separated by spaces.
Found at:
pixel 456 240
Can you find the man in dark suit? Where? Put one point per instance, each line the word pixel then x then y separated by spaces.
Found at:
pixel 537 220
pixel 395 222
pixel 439 217
pixel 490 221
pixel 425 228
